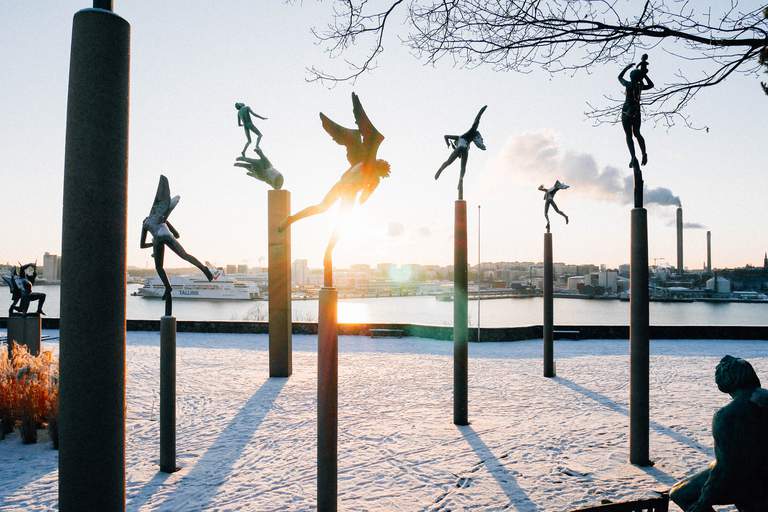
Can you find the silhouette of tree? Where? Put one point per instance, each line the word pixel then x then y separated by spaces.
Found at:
pixel 561 36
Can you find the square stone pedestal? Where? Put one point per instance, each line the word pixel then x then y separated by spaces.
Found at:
pixel 24 330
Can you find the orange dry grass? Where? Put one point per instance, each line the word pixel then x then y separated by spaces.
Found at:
pixel 29 386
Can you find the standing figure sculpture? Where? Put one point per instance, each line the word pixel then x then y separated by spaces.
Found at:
pixel 549 200
pixel 20 283
pixel 244 113
pixel 740 429
pixel 631 112
pixel 460 145
pixel 261 169
pixel 362 177
pixel 165 235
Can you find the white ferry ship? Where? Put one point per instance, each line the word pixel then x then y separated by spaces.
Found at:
pixel 221 288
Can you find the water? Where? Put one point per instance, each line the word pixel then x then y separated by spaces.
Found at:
pixel 428 310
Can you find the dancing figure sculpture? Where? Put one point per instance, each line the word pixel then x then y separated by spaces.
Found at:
pixel 631 116
pixel 165 235
pixel 740 429
pixel 261 169
pixel 244 113
pixel 460 145
pixel 20 282
pixel 362 177
pixel 549 200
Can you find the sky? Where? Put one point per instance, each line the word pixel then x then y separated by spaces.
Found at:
pixel 192 60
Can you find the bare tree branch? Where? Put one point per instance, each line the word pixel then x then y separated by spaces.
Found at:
pixel 562 36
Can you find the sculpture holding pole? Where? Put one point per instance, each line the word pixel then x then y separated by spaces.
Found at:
pixel 548 319
pixel 639 330
pixel 358 182
pixel 165 235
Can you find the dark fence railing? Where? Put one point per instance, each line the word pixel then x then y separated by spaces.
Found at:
pixel 439 332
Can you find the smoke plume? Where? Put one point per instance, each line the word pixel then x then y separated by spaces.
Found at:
pixel 539 156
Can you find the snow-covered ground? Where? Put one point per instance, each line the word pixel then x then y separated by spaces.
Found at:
pixel 247 442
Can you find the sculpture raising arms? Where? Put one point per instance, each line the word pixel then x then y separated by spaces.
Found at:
pixel 549 200
pixel 631 117
pixel 165 235
pixel 460 145
pixel 20 282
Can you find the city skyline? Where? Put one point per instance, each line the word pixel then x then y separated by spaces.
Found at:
pixel 189 67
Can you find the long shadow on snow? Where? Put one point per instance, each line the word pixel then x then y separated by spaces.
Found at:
pixel 212 470
pixel 517 496
pixel 610 404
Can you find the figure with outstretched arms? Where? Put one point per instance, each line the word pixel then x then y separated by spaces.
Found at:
pixel 20 283
pixel 630 112
pixel 460 145
pixel 549 199
pixel 362 177
pixel 244 114
pixel 165 235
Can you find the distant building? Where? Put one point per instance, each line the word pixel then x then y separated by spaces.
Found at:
pixel 299 273
pixel 608 279
pixel 51 267
pixel 231 269
pixel 242 269
pixel 574 282
pixel 719 284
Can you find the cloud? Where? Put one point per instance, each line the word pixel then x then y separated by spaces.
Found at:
pixel 395 229
pixel 539 157
pixel 424 231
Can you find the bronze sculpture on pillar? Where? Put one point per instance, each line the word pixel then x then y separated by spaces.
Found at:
pixel 631 119
pixel 20 282
pixel 460 145
pixel 358 182
pixel 244 113
pixel 548 317
pixel 549 199
pixel 165 235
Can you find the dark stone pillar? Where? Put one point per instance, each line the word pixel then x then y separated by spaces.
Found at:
pixel 92 401
pixel 460 315
pixel 24 330
pixel 168 394
pixel 639 330
pixel 280 341
pixel 327 400
pixel 549 358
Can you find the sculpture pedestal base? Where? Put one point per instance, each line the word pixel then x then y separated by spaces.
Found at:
pixel 280 341
pixel 168 394
pixel 549 358
pixel 327 400
pixel 460 316
pixel 639 402
pixel 24 330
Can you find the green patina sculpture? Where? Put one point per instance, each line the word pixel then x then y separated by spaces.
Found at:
pixel 261 169
pixel 739 473
pixel 244 113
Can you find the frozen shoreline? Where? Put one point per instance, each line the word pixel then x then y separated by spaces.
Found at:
pixel 246 442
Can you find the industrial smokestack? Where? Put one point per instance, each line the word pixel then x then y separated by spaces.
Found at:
pixel 680 240
pixel 709 252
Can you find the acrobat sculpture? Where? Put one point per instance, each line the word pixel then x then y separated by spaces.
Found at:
pixel 20 282
pixel 165 235
pixel 549 199
pixel 358 182
pixel 244 113
pixel 631 113
pixel 460 145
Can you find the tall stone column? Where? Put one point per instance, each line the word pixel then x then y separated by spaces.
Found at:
pixel 549 358
pixel 460 316
pixel 280 323
pixel 92 350
pixel 327 401
pixel 168 394
pixel 639 401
